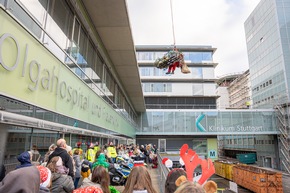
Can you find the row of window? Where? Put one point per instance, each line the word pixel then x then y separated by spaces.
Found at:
pixel 248 141
pixel 184 89
pixel 58 28
pixel 195 72
pixel 265 84
pixel 193 57
pixel 265 100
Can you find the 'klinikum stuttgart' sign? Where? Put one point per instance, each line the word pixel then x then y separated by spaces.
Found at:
pixel 221 128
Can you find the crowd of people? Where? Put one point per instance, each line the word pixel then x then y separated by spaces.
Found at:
pixel 64 169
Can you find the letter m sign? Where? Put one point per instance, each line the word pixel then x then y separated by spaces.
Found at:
pixel 212 154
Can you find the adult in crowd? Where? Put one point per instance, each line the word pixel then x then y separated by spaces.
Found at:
pixel 78 164
pixel 50 150
pixel 23 180
pixel 24 159
pixel 35 155
pixel 189 186
pixel 70 152
pixel 155 149
pixel 112 152
pixel 139 181
pixel 61 182
pixel 101 161
pixel 61 151
pixel 78 147
pixel 171 179
pixel 90 154
pixel 97 147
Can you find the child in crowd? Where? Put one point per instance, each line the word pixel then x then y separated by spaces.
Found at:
pixel 61 181
pixel 139 181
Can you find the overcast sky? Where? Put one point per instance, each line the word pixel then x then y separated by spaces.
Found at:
pixel 217 23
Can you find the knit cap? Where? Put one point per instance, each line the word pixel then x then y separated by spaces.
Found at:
pixel 45 176
pixel 167 162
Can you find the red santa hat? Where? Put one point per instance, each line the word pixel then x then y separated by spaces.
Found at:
pixel 167 162
pixel 164 160
pixel 45 176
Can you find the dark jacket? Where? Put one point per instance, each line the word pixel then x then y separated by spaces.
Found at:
pixel 67 160
pixel 24 159
pixel 2 172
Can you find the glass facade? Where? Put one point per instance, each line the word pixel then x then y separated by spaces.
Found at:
pixel 268 51
pixel 56 26
pixel 195 90
pixel 190 57
pixel 212 122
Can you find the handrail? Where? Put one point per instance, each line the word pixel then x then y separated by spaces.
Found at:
pixel 286 166
pixel 163 171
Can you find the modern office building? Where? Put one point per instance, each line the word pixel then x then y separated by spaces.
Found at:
pixel 67 69
pixel 268 43
pixel 178 91
pixel 167 94
pixel 181 108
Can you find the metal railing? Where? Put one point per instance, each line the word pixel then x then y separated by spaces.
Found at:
pixel 163 171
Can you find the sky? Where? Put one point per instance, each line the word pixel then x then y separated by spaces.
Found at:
pixel 216 23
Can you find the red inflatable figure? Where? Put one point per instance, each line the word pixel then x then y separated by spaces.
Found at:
pixel 208 170
pixel 190 159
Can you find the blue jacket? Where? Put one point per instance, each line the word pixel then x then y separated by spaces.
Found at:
pixel 24 159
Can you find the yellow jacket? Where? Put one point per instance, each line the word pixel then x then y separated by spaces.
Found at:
pixel 112 151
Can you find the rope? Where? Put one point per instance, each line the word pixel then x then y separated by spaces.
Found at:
pixel 172 23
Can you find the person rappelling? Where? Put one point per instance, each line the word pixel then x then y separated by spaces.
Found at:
pixel 178 63
pixel 172 59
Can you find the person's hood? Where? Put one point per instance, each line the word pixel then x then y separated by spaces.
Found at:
pixel 22 180
pixel 24 158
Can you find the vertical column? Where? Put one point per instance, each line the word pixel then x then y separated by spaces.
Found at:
pixel 3 141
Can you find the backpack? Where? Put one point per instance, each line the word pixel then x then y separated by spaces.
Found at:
pixel 85 169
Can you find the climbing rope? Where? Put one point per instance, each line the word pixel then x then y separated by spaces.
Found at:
pixel 172 22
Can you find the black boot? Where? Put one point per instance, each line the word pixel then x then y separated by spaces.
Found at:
pixel 167 73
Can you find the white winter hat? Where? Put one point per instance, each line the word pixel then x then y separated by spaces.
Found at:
pixel 68 148
pixel 168 163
